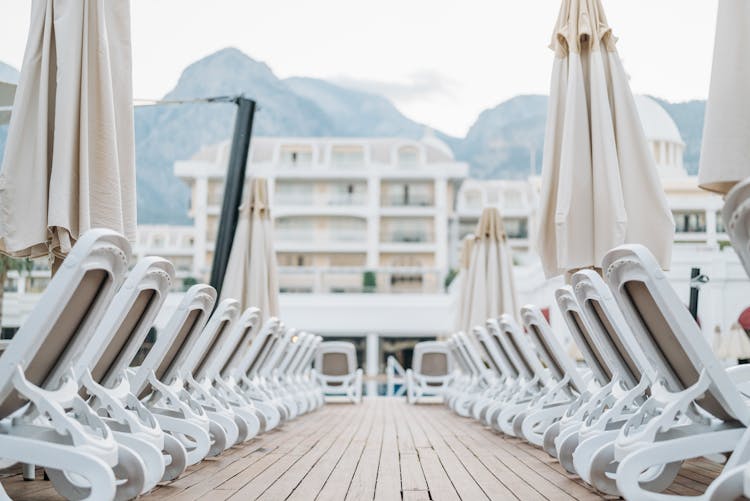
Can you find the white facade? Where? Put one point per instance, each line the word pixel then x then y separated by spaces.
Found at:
pixel 341 207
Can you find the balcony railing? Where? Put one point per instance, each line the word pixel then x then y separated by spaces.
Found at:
pixel 407 237
pixel 312 236
pixel 359 280
pixel 413 201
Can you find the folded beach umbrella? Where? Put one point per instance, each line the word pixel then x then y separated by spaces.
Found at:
pixel 252 275
pixel 464 262
pixel 600 186
pixel 7 93
pixel 69 160
pixel 488 287
pixel 725 152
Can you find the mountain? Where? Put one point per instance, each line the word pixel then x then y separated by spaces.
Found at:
pixel 8 73
pixel 501 143
pixel 688 116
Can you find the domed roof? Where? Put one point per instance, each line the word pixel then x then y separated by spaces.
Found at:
pixel 657 124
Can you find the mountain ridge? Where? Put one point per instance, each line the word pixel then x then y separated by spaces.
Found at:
pixel 505 141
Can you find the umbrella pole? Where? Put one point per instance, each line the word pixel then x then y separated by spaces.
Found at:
pixel 694 273
pixel 233 186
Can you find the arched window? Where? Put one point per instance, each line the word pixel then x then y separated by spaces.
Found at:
pixel 408 156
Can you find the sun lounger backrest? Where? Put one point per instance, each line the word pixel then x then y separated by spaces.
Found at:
pixel 458 355
pixel 736 215
pixel 495 350
pixel 295 345
pixel 668 335
pixel 606 322
pixel 432 358
pixel 336 358
pixel 128 319
pixel 306 361
pixel 503 340
pixel 261 347
pixel 273 362
pixel 521 347
pixel 307 340
pixel 550 349
pixel 580 330
pixel 208 345
pixel 476 365
pixel 242 360
pixel 237 344
pixel 175 340
pixel 64 320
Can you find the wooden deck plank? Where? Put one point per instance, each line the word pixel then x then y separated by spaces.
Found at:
pixel 383 449
pixel 337 484
pixel 365 476
pixel 388 484
pixel 464 483
pixel 286 456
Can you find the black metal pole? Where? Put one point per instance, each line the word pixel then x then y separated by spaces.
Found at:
pixel 694 273
pixel 233 186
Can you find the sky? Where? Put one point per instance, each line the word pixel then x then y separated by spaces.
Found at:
pixel 441 62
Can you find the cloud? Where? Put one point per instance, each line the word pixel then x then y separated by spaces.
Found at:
pixel 418 85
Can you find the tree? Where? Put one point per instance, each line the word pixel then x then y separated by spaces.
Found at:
pixel 8 264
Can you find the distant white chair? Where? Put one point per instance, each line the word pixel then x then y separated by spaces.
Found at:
pixel 431 369
pixel 336 365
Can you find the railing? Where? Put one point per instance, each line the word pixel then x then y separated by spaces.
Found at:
pixel 353 280
pixel 322 237
pixel 394 375
pixel 397 237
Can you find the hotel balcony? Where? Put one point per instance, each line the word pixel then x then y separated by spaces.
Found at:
pixel 356 280
pixel 312 240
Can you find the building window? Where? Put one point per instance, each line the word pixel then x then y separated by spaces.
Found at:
pixel 296 155
pixel 720 223
pixel 516 227
pixel 406 230
pixel 473 199
pixel 408 156
pixel 690 222
pixel 413 194
pixel 347 156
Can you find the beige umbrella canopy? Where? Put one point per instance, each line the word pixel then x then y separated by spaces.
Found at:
pixel 70 156
pixel 600 187
pixel 488 288
pixel 464 262
pixel 725 152
pixel 252 274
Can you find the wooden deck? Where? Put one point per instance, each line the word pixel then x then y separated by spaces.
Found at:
pixel 382 449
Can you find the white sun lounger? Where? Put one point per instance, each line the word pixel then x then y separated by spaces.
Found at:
pixel 246 374
pixel 691 382
pixel 431 369
pixel 337 370
pixel 101 371
pixel 239 421
pixel 532 376
pixel 633 375
pixel 38 385
pixel 211 378
pixel 175 410
pixel 563 434
pixel 551 405
pixel 463 391
pixel 503 378
pixel 269 371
